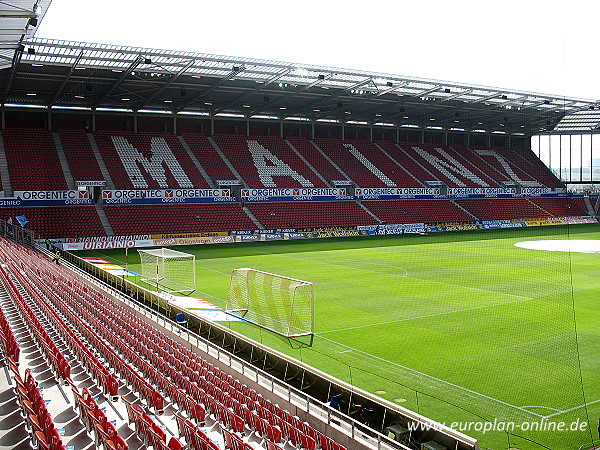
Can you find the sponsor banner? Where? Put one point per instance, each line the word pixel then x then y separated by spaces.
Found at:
pixel 271 237
pixel 47 198
pixel 473 192
pixel 537 223
pixel 503 225
pixel 316 229
pixel 133 237
pixel 397 193
pixel 403 230
pixel 294 236
pixel 461 227
pixel 398 226
pixel 538 191
pixel 91 183
pixel 269 231
pixel 247 238
pixel 200 234
pixel 192 241
pixel 158 196
pixel 130 243
pixel 339 233
pixel 295 194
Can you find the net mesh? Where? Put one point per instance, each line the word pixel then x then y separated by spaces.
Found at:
pixel 170 270
pixel 278 303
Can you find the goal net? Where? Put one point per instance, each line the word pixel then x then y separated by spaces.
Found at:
pixel 281 304
pixel 168 269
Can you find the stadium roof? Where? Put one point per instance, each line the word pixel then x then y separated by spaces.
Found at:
pixel 85 76
pixel 19 19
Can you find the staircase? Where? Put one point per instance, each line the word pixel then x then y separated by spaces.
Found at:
pixel 6 187
pixel 586 200
pixel 301 156
pixel 368 211
pixel 104 220
pixel 105 174
pixel 203 172
pixel 226 161
pixel 259 225
pixel 64 164
pixel 332 163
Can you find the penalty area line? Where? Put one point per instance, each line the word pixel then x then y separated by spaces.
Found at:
pixel 425 316
pixel 571 409
pixel 448 383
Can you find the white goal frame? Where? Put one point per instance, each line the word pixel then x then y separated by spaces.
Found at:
pixel 278 303
pixel 169 270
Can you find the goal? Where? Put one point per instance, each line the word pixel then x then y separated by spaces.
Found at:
pixel 281 304
pixel 168 269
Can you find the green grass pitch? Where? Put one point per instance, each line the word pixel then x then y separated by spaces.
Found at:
pixel 458 326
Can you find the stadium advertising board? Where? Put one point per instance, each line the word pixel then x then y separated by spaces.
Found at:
pixel 544 192
pixel 91 183
pixel 47 198
pixel 397 193
pixel 295 194
pixel 103 245
pixel 158 196
pixel 200 234
pixel 483 192
pixel 165 242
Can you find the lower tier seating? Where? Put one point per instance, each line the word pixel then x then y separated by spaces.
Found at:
pixel 502 208
pixel 58 221
pixel 310 214
pixel 188 218
pixel 417 211
pixel 562 207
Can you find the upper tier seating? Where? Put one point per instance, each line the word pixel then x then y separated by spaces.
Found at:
pixel 183 218
pixel 58 221
pixel 561 206
pixel 417 211
pixel 164 163
pixel 454 169
pixel 316 159
pixel 267 162
pixel 32 160
pixel 502 208
pixel 80 156
pixel 531 164
pixel 208 157
pixel 505 165
pixel 365 163
pixel 310 214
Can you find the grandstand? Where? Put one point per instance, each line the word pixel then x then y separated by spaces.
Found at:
pixel 245 150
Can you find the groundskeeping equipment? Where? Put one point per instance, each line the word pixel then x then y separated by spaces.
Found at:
pixel 169 270
pixel 278 303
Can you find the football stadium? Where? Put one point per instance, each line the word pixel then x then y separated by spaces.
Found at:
pixel 213 252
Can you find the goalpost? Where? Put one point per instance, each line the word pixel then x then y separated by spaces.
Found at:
pixel 280 304
pixel 168 269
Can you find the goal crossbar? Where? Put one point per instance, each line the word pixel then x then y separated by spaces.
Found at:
pixel 171 270
pixel 281 304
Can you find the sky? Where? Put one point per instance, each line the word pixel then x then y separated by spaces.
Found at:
pixel 548 47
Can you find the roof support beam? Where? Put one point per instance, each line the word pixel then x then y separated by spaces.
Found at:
pixel 335 94
pixel 136 62
pixel 15 62
pixel 60 90
pixel 261 86
pixel 279 99
pixel 235 71
pixel 428 91
pixel 172 80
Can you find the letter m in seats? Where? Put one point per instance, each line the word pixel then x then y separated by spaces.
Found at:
pixel 161 157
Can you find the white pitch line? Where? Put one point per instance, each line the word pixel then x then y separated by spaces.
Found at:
pixel 571 409
pixel 425 316
pixel 399 276
pixel 438 379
